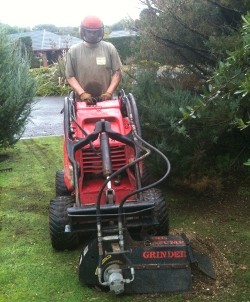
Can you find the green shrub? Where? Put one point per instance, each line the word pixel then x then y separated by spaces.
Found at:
pixel 159 113
pixel 127 46
pixel 51 80
pixel 202 147
pixel 224 109
pixel 17 91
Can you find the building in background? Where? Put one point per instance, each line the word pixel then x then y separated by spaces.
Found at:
pixel 47 45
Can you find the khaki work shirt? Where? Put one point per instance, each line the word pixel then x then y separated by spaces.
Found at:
pixel 93 67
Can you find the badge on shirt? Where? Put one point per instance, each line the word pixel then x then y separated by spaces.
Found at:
pixel 100 60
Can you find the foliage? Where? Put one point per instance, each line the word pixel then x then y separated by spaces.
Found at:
pixel 125 47
pixel 72 31
pixel 247 163
pixel 159 116
pixel 121 25
pixel 205 146
pixel 12 29
pixel 226 101
pixel 232 77
pixel 25 44
pixel 17 91
pixel 67 30
pixel 189 32
pixel 51 80
pixel 49 27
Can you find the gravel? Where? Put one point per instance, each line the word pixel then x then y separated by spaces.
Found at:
pixel 46 118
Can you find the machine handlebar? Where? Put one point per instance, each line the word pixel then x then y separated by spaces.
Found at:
pixel 93 100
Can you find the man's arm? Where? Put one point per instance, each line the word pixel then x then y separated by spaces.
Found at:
pixel 116 78
pixel 75 85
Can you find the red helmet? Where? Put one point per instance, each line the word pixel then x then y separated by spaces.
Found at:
pixel 92 29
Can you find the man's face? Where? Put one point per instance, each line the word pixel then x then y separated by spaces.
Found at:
pixel 92 35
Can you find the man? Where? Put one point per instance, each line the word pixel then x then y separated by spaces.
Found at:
pixel 93 67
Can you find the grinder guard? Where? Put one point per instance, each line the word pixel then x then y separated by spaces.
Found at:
pixel 160 264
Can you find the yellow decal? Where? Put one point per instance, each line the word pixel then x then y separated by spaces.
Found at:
pixel 103 261
pixel 106 258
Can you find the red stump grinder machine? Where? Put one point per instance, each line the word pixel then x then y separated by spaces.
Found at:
pixel 104 191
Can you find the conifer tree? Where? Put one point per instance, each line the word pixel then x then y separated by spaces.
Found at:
pixel 192 33
pixel 17 91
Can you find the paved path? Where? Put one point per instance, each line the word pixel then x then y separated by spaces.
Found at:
pixel 45 118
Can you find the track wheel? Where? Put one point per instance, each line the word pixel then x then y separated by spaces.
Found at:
pixel 147 177
pixel 160 211
pixel 58 219
pixel 61 189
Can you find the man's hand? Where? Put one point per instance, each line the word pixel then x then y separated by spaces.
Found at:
pixel 85 96
pixel 106 96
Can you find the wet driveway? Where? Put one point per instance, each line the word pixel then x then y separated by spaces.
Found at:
pixel 45 118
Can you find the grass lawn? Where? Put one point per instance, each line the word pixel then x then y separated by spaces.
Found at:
pixel 31 271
